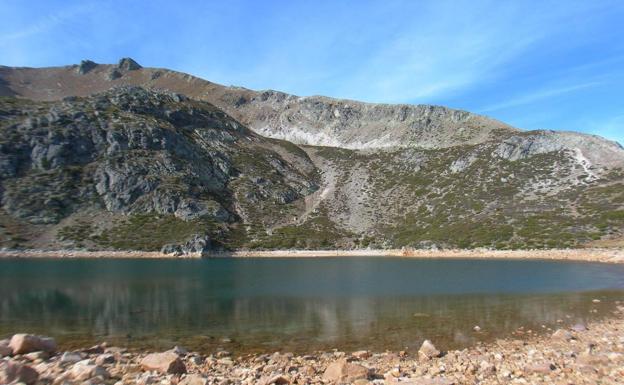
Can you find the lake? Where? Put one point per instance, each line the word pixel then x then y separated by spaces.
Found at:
pixel 299 305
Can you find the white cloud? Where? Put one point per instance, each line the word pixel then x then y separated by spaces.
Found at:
pixel 534 96
pixel 45 24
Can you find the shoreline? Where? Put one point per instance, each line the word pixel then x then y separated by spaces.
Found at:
pixel 580 354
pixel 580 255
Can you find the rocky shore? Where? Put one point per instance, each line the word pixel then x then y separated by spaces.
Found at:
pixel 606 255
pixel 580 354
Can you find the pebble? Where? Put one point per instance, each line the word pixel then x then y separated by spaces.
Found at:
pixel 578 355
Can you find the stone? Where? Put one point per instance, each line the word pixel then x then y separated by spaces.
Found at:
pixel 563 335
pixel 15 372
pixel 27 343
pixel 486 367
pixel 540 368
pixel 38 355
pixel 341 371
pixel 579 328
pixel 71 357
pixel 277 380
pixel 477 328
pixel 5 351
pixel 82 371
pixel 193 379
pixel 428 351
pixel 96 349
pixel 595 300
pixel 105 359
pixel 165 363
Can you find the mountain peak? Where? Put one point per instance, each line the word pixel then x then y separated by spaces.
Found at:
pixel 128 64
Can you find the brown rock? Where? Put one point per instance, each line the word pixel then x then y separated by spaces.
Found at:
pixel 82 371
pixel 15 372
pixel 341 371
pixel 166 363
pixel 193 379
pixel 105 359
pixel 428 351
pixel 5 350
pixel 277 380
pixel 27 343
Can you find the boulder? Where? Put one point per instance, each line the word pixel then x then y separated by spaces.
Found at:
pixel 71 357
pixel 193 379
pixel 428 351
pixel 83 371
pixel 15 372
pixel 166 363
pixel 105 359
pixel 26 343
pixel 342 371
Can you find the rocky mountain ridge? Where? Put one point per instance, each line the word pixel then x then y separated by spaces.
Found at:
pixel 93 155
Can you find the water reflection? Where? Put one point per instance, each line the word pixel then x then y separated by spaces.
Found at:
pixel 297 304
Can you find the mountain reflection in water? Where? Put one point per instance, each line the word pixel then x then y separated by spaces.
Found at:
pixel 298 305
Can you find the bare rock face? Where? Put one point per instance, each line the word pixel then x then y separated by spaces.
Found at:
pixel 342 371
pixel 166 363
pixel 86 66
pixel 198 245
pixel 12 372
pixel 428 351
pixel 26 343
pixel 128 64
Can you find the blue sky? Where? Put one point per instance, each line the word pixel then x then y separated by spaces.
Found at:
pixel 533 64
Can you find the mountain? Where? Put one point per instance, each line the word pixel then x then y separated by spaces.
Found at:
pixel 121 156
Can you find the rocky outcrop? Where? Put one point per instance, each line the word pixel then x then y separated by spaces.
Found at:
pixel 131 151
pixel 196 246
pixel 397 175
pixel 85 66
pixel 128 64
